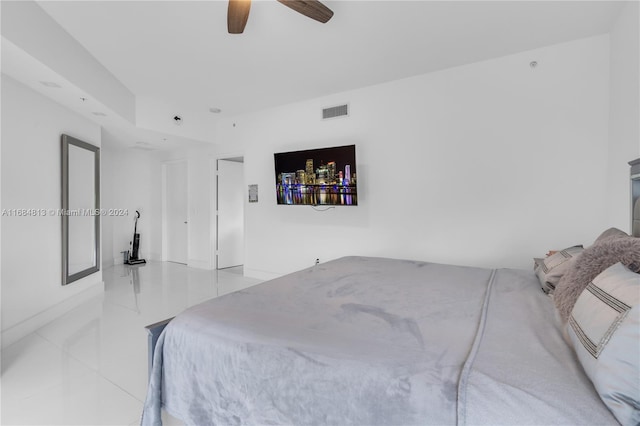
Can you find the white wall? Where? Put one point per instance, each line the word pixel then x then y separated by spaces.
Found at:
pixel 624 117
pixel 107 199
pixel 488 164
pixel 31 246
pixel 131 182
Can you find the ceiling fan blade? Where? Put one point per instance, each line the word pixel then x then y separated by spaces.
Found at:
pixel 237 15
pixel 311 8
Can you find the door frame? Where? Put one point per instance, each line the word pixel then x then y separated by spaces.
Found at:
pixel 165 222
pixel 214 206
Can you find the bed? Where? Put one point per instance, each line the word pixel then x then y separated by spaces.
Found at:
pixel 380 341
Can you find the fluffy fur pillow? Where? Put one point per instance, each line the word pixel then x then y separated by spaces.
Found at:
pixel 591 262
pixel 611 233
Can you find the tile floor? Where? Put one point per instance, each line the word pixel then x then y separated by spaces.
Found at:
pixel 89 367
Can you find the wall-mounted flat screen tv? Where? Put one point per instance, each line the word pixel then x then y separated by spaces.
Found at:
pixel 317 177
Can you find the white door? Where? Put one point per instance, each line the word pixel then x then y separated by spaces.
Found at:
pixel 176 216
pixel 230 213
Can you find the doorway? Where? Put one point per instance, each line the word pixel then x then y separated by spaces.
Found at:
pixel 176 212
pixel 230 213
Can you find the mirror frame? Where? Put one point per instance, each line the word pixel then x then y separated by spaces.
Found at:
pixel 66 142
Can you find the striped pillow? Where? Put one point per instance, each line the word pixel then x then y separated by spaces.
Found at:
pixel 550 269
pixel 604 329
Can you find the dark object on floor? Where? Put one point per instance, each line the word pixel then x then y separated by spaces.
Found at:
pixel 133 259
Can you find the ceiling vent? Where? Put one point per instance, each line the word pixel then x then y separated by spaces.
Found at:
pixel 143 148
pixel 335 112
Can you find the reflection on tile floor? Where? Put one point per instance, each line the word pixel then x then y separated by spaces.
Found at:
pixel 89 367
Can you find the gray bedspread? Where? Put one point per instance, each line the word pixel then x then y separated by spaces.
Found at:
pixel 373 341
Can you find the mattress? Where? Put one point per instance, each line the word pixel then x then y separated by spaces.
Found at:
pixel 373 341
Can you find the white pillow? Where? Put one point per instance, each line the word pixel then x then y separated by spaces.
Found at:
pixel 550 269
pixel 604 328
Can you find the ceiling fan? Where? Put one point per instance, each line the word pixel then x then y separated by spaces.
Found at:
pixel 238 12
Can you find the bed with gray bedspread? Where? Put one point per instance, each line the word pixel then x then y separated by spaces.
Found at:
pixel 368 341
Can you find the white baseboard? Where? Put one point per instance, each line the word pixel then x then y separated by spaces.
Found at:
pixel 30 325
pixel 155 256
pixel 200 264
pixel 261 275
pixel 151 256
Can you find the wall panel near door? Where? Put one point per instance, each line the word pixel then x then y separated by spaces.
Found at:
pixel 231 194
pixel 176 212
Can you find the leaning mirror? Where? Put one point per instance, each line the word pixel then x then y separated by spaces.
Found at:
pixel 80 209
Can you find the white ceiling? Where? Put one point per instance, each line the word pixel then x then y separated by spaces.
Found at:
pixel 179 52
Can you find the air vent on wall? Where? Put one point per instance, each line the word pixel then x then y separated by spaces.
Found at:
pixel 335 112
pixel 143 146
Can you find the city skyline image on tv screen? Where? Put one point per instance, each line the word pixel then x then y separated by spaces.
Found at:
pixel 317 177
